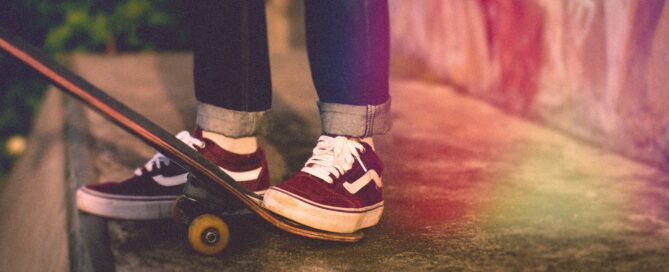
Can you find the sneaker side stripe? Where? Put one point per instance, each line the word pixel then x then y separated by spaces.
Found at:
pixel 327 207
pixel 363 181
pixel 171 181
pixel 245 175
pixel 181 179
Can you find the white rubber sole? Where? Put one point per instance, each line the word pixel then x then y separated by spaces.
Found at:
pixel 333 219
pixel 125 207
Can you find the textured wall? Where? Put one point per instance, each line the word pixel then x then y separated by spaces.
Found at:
pixel 598 69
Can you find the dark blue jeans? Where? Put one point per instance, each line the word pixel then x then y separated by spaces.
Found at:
pixel 347 44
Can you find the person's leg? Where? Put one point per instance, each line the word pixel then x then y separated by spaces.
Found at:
pixel 348 46
pixel 339 188
pixel 231 70
pixel 232 86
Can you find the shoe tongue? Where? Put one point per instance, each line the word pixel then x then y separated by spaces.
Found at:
pixel 320 171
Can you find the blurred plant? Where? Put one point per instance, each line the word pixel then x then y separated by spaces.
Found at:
pixel 125 25
pixel 20 95
pixel 62 26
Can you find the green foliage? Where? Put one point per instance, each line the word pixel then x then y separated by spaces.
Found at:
pixel 20 96
pixel 62 26
pixel 126 25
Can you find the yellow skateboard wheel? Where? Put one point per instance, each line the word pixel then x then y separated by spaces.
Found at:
pixel 208 234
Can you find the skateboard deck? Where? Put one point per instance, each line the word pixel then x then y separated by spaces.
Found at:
pixel 155 136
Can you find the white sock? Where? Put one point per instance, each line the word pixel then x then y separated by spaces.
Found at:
pixel 244 145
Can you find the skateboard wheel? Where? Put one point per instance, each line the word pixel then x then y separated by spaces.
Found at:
pixel 208 234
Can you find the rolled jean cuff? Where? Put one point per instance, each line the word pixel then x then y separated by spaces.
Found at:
pixel 355 120
pixel 231 123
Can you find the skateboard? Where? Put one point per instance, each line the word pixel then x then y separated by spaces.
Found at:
pixel 208 233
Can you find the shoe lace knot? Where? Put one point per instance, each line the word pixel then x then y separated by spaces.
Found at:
pixel 333 156
pixel 159 160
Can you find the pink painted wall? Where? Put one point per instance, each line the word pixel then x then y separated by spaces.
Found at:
pixel 598 69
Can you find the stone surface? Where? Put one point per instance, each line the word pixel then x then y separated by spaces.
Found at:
pixel 593 68
pixel 467 186
pixel 33 212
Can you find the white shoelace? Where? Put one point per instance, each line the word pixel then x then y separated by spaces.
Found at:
pixel 333 156
pixel 158 160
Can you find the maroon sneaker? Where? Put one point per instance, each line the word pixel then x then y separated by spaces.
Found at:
pixel 339 188
pixel 250 170
pixel 150 192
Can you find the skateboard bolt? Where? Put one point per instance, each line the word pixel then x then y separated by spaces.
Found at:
pixel 210 236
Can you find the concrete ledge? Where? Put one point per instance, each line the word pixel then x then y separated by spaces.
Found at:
pixel 33 205
pixel 40 227
pixel 88 236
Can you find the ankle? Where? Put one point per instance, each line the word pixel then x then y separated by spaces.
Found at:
pixel 244 145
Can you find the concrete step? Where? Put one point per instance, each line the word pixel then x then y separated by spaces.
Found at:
pixel 467 187
pixel 33 219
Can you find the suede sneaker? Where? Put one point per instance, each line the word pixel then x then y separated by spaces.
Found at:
pixel 151 191
pixel 339 189
pixel 249 170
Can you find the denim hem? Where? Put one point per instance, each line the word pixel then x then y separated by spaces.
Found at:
pixel 231 123
pixel 355 120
